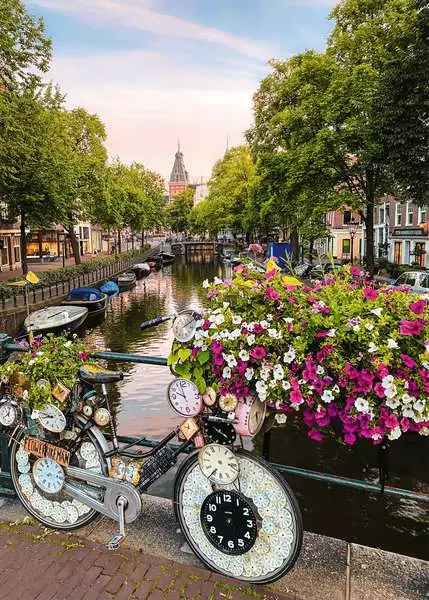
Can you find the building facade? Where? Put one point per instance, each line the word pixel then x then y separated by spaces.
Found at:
pixel 345 235
pixel 201 191
pixel 179 179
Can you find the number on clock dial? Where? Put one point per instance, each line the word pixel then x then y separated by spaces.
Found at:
pixel 184 397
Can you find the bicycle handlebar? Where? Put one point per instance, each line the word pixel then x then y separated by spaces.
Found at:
pixel 154 322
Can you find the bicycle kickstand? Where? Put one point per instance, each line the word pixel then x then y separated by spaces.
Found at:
pixel 119 538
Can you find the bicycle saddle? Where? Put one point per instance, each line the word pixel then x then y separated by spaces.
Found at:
pixel 94 374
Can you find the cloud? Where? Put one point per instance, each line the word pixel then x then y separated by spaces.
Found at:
pixel 140 15
pixel 147 101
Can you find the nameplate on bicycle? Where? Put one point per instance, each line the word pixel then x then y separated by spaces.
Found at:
pixel 44 450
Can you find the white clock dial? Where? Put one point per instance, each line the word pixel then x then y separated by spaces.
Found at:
pixel 218 464
pixel 257 416
pixel 8 414
pixel 52 419
pixel 184 397
pixel 48 475
pixel 185 325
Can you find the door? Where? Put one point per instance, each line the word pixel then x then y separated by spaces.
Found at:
pixel 398 253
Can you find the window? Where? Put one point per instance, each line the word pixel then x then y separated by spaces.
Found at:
pixel 409 213
pixel 17 248
pixel 398 215
pixel 419 253
pixel 422 214
pixel 424 281
pixel 407 256
pixel 347 217
pixel 381 214
pixel 346 246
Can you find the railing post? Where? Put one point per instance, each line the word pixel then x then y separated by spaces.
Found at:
pixel 6 486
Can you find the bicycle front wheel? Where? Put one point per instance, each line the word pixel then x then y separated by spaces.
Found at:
pixel 251 529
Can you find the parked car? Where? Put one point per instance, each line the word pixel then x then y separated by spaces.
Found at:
pixel 418 280
pixel 321 272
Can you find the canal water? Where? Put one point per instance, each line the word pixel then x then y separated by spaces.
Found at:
pixel 140 404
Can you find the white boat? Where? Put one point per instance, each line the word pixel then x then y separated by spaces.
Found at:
pixel 54 319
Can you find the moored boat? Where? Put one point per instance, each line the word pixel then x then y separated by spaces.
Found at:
pixel 110 288
pixel 126 281
pixel 91 298
pixel 141 269
pixel 55 319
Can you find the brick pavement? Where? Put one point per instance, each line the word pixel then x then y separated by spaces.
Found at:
pixel 39 564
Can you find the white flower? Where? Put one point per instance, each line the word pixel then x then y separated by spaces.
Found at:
pixel 286 385
pixel 31 362
pixel 236 319
pixel 278 372
pixel 265 373
pixel 250 339
pixel 376 436
pixel 395 433
pixel 273 333
pixel 226 373
pixel 206 283
pixel 369 326
pixel 361 404
pixel 244 355
pixel 424 431
pixel 331 333
pixel 320 370
pixel 376 311
pixel 289 356
pixel 390 392
pixel 425 365
pixel 407 399
pixel 288 320
pixel 372 348
pixel 264 324
pixel 215 336
pixel 336 389
pixel 224 334
pixel 198 343
pixel 235 333
pixel 230 360
pixel 68 344
pixel 249 374
pixel 250 326
pixel 217 281
pixel 392 403
pixel 261 389
pixel 327 396
pixel 204 347
pixel 270 318
pixel 272 383
pixel 225 304
pixel 356 327
pixel 408 412
pixel 391 343
pixel 387 381
pixel 281 418
pixel 419 406
pixel 219 319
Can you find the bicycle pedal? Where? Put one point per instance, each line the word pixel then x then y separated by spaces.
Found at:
pixel 115 542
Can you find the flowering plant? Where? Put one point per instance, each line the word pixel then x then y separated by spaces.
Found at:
pixel 346 356
pixel 48 362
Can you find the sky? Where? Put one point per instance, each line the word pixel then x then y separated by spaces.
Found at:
pixel 159 71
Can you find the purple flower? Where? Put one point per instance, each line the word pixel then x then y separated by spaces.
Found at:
pixel 408 361
pixel 418 307
pixel 271 294
pixel 349 438
pixel 315 435
pixel 411 327
pixel 258 353
pixel 83 355
pixel 370 293
pixel 356 272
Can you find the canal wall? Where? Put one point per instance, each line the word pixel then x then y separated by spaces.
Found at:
pixel 327 569
pixel 13 314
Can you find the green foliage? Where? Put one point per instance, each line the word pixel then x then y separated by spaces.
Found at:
pixel 54 359
pixel 24 47
pixel 180 210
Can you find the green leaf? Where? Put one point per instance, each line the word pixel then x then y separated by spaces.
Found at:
pixel 172 359
pixel 184 354
pixel 183 371
pixel 203 357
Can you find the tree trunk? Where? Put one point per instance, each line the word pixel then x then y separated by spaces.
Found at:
pixel 23 244
pixel 311 251
pixel 119 249
pixel 75 245
pixel 294 242
pixel 369 225
pixel 142 241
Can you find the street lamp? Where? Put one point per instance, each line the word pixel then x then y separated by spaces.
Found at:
pixel 353 229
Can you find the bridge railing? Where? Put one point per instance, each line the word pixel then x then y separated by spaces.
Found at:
pixel 6 488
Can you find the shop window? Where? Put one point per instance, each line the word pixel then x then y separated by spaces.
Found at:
pixel 346 246
pixel 347 217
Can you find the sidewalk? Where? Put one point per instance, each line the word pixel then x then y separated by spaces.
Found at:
pixel 39 564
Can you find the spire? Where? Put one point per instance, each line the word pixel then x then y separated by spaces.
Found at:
pixel 179 173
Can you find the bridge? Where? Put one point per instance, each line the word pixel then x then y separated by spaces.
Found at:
pixel 192 247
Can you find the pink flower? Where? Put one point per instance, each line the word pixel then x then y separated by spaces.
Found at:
pixel 315 435
pixel 379 390
pixel 206 325
pixel 194 351
pixel 411 327
pixel 258 353
pixel 349 438
pixel 356 272
pixel 270 274
pixel 83 355
pixel 271 294
pixel 408 361
pixel 370 293
pixel 418 307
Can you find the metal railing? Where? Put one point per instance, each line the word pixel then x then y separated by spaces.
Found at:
pixel 6 488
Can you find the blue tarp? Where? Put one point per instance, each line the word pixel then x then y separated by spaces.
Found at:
pixel 110 287
pixel 282 251
pixel 84 294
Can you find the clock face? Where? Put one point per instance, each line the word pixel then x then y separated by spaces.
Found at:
pixel 257 416
pixel 220 433
pixel 228 403
pixel 48 475
pixel 185 325
pixel 218 464
pixel 8 414
pixel 184 397
pixel 229 522
pixel 52 419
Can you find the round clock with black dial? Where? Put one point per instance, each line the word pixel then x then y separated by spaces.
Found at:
pixel 229 522
pixel 220 433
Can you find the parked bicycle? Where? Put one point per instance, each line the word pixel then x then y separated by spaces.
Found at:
pixel 236 512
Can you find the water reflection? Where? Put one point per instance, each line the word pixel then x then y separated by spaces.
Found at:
pixel 141 407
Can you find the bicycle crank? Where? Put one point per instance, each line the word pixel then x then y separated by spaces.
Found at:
pixel 121 501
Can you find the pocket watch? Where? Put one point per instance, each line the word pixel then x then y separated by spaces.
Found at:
pixel 249 415
pixel 52 418
pixel 10 413
pixel 218 464
pixel 185 325
pixel 209 396
pixel 184 397
pixel 228 403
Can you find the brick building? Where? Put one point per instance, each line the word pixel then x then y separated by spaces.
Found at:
pixel 179 180
pixel 345 235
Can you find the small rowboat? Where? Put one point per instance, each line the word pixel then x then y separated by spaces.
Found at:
pixel 91 298
pixel 54 319
pixel 126 281
pixel 141 269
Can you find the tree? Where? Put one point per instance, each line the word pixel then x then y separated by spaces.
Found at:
pixel 179 211
pixel 24 47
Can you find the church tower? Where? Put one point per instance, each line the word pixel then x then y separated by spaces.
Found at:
pixel 179 180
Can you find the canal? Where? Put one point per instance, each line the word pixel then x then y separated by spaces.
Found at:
pixel 398 525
